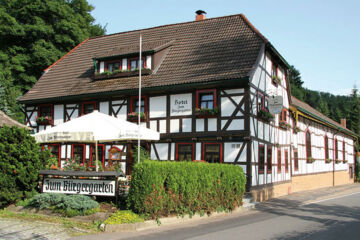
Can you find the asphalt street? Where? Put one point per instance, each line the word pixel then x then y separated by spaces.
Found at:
pixel 332 217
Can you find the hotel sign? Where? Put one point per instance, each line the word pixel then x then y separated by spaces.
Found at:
pixel 75 186
pixel 181 104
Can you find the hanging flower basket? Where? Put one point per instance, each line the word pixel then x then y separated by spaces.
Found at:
pixel 206 112
pixel 133 117
pixel 296 130
pixel 284 125
pixel 265 115
pixel 44 120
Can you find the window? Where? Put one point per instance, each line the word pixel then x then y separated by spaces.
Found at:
pixel 283 115
pixel 45 110
pixel 269 159
pixel 279 160
pixel 101 155
pixel 212 152
pixel 274 74
pixel 336 149
pixel 134 63
pixel 260 102
pixel 308 144
pixel 296 160
pixel 135 104
pixel 55 151
pixel 88 107
pixel 343 150
pixel 78 153
pixel 184 152
pixel 286 161
pixel 261 158
pixel 206 99
pixel 112 66
pixel 326 143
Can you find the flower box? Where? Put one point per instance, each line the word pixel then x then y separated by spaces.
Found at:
pixel 310 160
pixel 276 79
pixel 206 112
pixel 44 120
pixel 265 115
pixel 121 74
pixel 133 117
pixel 284 125
pixel 337 161
pixel 345 161
pixel 328 160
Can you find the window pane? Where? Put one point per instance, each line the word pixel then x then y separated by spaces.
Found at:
pixel 133 64
pixel 212 153
pixel 136 104
pixel 261 158
pixel 269 159
pixel 54 149
pixel 78 153
pixel 185 152
pixel 116 66
pixel 207 100
pixel 110 67
pixel 45 111
pixel 88 108
pixel 296 160
pixel 93 155
pixel 207 97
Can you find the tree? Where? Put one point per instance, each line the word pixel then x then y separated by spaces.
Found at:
pixel 354 115
pixel 20 162
pixel 36 33
pixel 295 77
pixel 323 107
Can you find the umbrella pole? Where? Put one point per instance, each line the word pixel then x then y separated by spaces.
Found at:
pixel 97 158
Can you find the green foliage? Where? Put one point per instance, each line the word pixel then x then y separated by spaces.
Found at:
pixel 68 205
pixel 144 154
pixel 265 115
pixel 20 162
pixel 33 35
pixel 161 188
pixel 125 216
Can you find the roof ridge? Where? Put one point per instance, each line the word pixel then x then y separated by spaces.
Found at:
pixel 167 25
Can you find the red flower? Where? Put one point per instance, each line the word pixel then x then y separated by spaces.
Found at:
pixel 15 172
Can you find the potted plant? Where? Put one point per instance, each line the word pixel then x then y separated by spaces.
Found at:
pixel 276 79
pixel 133 116
pixel 265 115
pixel 328 160
pixel 44 120
pixel 284 125
pixel 310 160
pixel 206 112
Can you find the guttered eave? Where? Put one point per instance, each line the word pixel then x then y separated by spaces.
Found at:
pixel 241 82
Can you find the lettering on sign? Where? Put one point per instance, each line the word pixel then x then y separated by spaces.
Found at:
pixel 75 186
pixel 181 104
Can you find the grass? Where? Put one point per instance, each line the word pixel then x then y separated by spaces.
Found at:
pixel 76 227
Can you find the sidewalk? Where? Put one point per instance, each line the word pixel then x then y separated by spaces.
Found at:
pixel 301 198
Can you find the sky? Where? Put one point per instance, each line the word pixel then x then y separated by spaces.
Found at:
pixel 321 38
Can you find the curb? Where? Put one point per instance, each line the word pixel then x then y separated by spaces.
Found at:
pixel 151 224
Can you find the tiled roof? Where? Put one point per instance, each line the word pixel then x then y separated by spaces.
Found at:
pixel 6 120
pixel 214 49
pixel 299 104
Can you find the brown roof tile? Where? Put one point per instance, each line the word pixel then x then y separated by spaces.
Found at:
pixel 214 49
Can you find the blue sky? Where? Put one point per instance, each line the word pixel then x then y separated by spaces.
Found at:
pixel 321 38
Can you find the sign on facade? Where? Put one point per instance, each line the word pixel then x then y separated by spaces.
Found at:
pixel 181 104
pixel 76 186
pixel 275 104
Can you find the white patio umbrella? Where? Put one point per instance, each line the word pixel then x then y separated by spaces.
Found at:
pixel 93 128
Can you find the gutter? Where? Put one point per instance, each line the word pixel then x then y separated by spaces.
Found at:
pixel 98 95
pixel 300 111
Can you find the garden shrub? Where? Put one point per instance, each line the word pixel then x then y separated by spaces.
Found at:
pixel 161 188
pixel 69 205
pixel 125 216
pixel 20 162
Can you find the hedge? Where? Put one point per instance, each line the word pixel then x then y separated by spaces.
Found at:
pixel 162 188
pixel 20 161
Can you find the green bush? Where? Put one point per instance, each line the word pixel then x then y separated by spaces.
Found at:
pixel 126 216
pixel 160 188
pixel 20 162
pixel 69 205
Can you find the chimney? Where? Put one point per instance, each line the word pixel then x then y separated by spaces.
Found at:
pixel 200 15
pixel 343 122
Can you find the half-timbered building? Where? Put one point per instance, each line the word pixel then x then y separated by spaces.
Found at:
pixel 206 86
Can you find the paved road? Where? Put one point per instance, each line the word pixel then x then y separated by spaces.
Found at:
pixel 294 217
